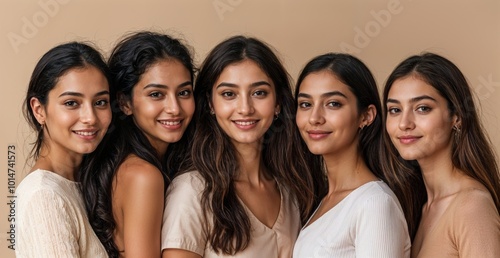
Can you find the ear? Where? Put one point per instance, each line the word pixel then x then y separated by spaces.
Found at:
pixel 277 110
pixel 368 116
pixel 38 110
pixel 125 105
pixel 457 122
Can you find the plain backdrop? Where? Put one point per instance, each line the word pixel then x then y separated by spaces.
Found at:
pixel 380 32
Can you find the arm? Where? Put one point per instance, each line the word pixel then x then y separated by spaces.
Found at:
pixel 477 226
pixel 140 189
pixel 381 229
pixel 183 232
pixel 46 227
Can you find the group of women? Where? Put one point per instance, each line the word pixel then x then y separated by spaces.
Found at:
pixel 140 157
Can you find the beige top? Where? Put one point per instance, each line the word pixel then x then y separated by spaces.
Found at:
pixel 470 227
pixel 184 226
pixel 51 220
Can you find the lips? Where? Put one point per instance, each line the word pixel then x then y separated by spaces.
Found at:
pixel 408 139
pixel 87 134
pixel 318 134
pixel 83 133
pixel 245 124
pixel 171 124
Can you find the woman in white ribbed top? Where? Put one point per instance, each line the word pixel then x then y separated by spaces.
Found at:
pixel 67 105
pixel 338 118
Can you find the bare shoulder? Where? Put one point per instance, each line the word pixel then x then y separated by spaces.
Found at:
pixel 135 172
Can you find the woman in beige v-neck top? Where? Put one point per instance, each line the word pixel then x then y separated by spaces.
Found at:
pixel 249 186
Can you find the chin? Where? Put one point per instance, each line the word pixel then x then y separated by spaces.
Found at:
pixel 410 155
pixel 316 151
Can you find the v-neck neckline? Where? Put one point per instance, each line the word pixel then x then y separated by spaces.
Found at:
pixel 278 218
pixel 339 204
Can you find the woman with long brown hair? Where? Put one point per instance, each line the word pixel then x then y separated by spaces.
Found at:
pixel 339 118
pixel 249 184
pixel 441 161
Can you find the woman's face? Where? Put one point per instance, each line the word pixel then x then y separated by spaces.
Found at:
pixel 327 114
pixel 244 102
pixel 77 113
pixel 162 103
pixel 418 120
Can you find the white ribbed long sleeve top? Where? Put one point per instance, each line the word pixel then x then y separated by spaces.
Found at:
pixel 369 222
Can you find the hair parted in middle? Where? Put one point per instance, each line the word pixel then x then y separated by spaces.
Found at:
pixel 214 156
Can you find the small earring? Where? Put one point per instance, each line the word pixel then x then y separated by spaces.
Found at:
pixel 362 127
pixel 276 115
pixel 457 132
pixel 212 112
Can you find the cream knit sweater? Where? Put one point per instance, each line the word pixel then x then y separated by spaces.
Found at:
pixel 51 220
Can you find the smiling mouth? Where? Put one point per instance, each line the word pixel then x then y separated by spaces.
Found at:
pixel 171 123
pixel 245 123
pixel 85 133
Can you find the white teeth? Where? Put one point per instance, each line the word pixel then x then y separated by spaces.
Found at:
pixel 245 123
pixel 85 133
pixel 170 122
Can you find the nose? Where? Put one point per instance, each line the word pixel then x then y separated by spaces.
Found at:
pixel 316 116
pixel 406 121
pixel 172 106
pixel 245 106
pixel 88 114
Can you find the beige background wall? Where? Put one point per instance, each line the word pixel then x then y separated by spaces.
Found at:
pixel 380 32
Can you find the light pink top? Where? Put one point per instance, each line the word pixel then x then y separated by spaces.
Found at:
pixel 185 227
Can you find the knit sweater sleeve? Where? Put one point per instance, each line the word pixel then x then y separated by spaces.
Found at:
pixel 46 227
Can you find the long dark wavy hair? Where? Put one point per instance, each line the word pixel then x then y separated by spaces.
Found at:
pixel 54 64
pixel 471 149
pixel 214 155
pixel 129 60
pixel 356 75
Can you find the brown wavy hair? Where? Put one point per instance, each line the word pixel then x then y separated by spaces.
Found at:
pixel 472 151
pixel 214 156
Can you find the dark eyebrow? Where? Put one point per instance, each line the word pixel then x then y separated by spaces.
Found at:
pixel 77 94
pixel 413 100
pixel 162 86
pixel 232 85
pixel 324 95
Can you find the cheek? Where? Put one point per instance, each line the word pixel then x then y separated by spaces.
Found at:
pixel 390 125
pixel 438 130
pixel 146 108
pixel 300 119
pixel 62 117
pixel 105 117
pixel 188 107
pixel 222 108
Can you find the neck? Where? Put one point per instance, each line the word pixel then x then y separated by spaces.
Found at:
pixel 250 167
pixel 440 177
pixel 64 164
pixel 346 170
